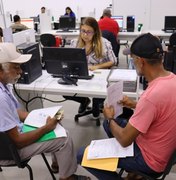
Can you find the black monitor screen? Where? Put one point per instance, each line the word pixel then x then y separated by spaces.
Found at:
pixel 66 62
pixel 67 22
pixel 170 23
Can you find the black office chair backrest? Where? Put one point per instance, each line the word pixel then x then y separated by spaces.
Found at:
pixel 48 40
pixel 157 176
pixel 170 55
pixel 8 150
pixel 170 163
pixel 111 37
pixel 172 40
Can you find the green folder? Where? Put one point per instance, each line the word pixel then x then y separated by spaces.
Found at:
pixel 48 136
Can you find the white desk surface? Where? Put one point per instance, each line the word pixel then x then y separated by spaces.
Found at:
pixel 75 33
pixel 96 87
pixel 130 36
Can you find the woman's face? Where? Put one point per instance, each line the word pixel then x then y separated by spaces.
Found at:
pixel 87 33
pixel 68 11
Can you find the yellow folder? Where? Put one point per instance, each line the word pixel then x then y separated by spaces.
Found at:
pixel 108 164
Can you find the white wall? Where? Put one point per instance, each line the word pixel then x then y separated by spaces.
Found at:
pixel 56 7
pixel 149 12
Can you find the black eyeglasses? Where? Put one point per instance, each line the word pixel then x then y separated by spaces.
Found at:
pixel 88 33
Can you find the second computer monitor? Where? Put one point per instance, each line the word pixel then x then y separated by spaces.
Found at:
pixel 67 22
pixel 170 23
pixel 119 20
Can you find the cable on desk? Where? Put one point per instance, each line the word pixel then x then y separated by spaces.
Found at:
pixel 107 79
pixel 36 97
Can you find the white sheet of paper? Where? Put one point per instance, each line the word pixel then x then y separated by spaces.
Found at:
pixel 60 131
pixel 123 74
pixel 38 117
pixel 115 94
pixel 108 148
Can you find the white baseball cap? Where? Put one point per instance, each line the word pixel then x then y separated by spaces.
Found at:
pixel 8 54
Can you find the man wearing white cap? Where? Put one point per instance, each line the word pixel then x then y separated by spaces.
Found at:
pixel 12 117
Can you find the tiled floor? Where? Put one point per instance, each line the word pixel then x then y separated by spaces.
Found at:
pixel 82 133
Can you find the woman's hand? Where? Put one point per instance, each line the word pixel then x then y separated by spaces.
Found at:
pixel 92 68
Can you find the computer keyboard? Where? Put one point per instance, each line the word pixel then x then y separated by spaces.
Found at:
pixel 62 31
pixel 74 76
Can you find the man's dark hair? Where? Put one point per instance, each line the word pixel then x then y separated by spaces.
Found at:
pixel 16 18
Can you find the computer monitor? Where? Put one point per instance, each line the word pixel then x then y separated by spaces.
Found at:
pixel 67 63
pixel 170 23
pixel 119 20
pixel 66 22
pixel 29 22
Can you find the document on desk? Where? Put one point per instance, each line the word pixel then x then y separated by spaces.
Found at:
pixel 37 118
pixel 108 148
pixel 123 74
pixel 114 95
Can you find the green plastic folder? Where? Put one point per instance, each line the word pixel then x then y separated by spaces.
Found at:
pixel 48 136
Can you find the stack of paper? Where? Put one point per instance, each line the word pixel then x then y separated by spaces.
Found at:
pixel 37 118
pixel 128 76
pixel 104 154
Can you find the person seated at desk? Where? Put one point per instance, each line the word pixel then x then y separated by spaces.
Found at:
pixel 69 12
pixel 152 126
pixel 108 24
pixel 99 56
pixel 110 29
pixel 12 117
pixel 17 26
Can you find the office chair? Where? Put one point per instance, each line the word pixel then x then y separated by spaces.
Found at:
pixel 48 40
pixel 157 176
pixel 8 151
pixel 96 102
pixel 172 40
pixel 115 45
pixel 170 55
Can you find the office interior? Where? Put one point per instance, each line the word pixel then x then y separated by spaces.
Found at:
pixel 150 13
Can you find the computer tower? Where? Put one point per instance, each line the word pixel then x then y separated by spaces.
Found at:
pixel 130 23
pixel 33 68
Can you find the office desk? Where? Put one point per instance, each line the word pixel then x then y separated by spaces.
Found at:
pixel 130 36
pixel 96 87
pixel 127 36
pixel 65 35
pixel 47 85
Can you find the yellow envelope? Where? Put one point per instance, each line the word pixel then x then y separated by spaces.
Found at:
pixel 108 164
